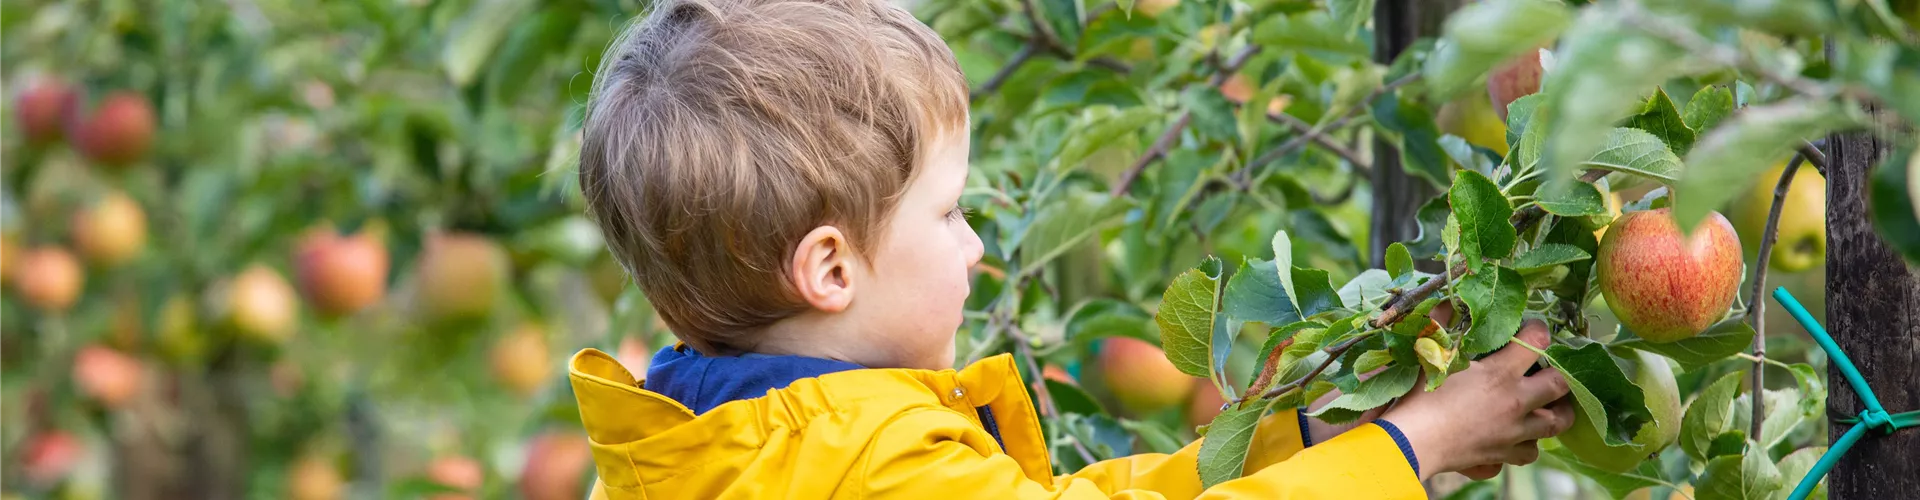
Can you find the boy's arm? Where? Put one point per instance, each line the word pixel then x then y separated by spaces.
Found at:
pixel 931 453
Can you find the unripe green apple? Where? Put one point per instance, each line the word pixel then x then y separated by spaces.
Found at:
pixel 1472 118
pixel 1655 379
pixel 1664 286
pixel 1802 235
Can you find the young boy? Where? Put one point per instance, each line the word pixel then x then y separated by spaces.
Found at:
pixel 781 177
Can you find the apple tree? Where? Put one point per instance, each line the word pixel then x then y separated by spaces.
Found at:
pixel 1193 175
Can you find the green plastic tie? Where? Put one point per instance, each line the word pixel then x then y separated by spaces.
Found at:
pixel 1874 418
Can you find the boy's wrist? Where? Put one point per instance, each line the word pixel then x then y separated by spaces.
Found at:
pixel 1430 448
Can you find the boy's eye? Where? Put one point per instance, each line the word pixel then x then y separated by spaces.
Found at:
pixel 958 212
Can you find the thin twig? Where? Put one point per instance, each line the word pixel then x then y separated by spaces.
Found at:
pixel 1361 167
pixel 1333 353
pixel 1756 304
pixel 1294 145
pixel 1024 343
pixel 1719 54
pixel 1000 77
pixel 1814 156
pixel 1162 144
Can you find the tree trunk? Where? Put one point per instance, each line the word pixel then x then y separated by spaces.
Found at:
pixel 1397 197
pixel 1873 302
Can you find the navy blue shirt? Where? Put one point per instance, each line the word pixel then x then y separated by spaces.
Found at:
pixel 701 383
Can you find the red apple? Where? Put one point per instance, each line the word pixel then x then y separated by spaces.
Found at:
pixel 1140 376
pixel 118 133
pixel 1205 404
pixel 111 231
pixel 49 456
pixel 341 275
pixel 456 471
pixel 1517 78
pixel 49 279
pixel 1663 286
pixel 460 276
pixel 108 376
pixel 520 359
pixel 557 463
pixel 43 108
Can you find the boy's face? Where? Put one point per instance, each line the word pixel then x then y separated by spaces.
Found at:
pixel 911 304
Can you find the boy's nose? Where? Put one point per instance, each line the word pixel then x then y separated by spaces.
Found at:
pixel 975 248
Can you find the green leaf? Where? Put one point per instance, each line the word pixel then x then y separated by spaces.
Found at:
pixel 1731 442
pixel 1063 224
pixel 1366 291
pixel 1567 197
pixel 1519 117
pixel 1481 36
pixel 1101 434
pixel 1590 88
pixel 1064 18
pixel 1156 436
pixel 1434 360
pixel 1101 318
pixel 1783 414
pixel 1255 293
pixel 1071 398
pixel 1602 391
pixel 1282 334
pixel 1794 468
pixel 1186 319
pixel 1316 292
pixel 1213 115
pixel 1576 283
pixel 1482 212
pixel 1283 267
pixel 1635 151
pixel 1659 117
pixel 533 42
pixel 1791 17
pixel 1707 416
pixel 1617 484
pixel 1496 296
pixel 1717 343
pixel 1372 360
pixel 1731 156
pixel 1412 122
pixel 1749 477
pixel 1891 192
pixel 1311 30
pixel 1433 219
pixel 1813 392
pixel 1088 87
pixel 1100 130
pixel 1223 452
pixel 1350 15
pixel 1371 393
pixel 1708 106
pixel 1399 261
pixel 476 35
pixel 1549 255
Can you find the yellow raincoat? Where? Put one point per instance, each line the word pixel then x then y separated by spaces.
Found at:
pixel 920 434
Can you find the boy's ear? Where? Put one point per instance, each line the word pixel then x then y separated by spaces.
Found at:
pixel 822 269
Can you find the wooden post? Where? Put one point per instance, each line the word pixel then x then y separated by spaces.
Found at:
pixel 1397 197
pixel 1873 302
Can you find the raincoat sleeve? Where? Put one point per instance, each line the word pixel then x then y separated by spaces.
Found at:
pixel 930 454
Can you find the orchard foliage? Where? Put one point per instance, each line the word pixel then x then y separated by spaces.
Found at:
pixel 1193 173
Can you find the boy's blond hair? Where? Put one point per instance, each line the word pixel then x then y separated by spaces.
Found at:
pixel 721 131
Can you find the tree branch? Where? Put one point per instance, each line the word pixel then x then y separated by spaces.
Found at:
pixel 1814 156
pixel 1025 345
pixel 1000 77
pixel 1757 304
pixel 1161 145
pixel 1301 140
pixel 1333 354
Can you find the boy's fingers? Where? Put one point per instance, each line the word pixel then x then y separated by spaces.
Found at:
pixel 1517 358
pixel 1542 423
pixel 1544 387
pixel 1524 453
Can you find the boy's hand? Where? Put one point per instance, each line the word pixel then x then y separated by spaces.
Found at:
pixel 1490 414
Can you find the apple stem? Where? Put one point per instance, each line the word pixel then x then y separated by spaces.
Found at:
pixel 1756 304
